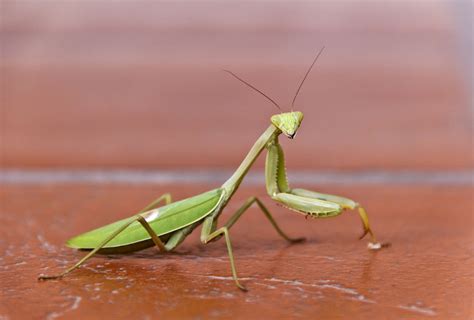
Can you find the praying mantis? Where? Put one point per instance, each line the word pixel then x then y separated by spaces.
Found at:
pixel 166 226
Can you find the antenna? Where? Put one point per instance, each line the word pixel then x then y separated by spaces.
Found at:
pixel 306 75
pixel 248 84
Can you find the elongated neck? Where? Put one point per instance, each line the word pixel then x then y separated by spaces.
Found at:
pixel 234 181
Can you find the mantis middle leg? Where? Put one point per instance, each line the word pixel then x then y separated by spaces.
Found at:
pixel 247 204
pixel 166 197
pixel 210 234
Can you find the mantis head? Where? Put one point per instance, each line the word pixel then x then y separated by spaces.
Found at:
pixel 288 122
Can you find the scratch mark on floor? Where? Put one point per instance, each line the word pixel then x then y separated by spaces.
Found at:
pixel 418 308
pixel 76 300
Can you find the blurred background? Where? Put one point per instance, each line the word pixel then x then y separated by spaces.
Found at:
pixel 139 85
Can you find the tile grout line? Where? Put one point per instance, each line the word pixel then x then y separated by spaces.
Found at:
pixel 213 176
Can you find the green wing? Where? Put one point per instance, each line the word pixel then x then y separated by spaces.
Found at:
pixel 163 220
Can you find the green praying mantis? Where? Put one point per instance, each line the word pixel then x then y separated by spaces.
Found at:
pixel 166 226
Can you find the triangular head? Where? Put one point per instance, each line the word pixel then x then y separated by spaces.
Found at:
pixel 288 122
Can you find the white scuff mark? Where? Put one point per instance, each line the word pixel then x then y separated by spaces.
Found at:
pixel 418 308
pixel 329 258
pixel 115 278
pixel 45 244
pixel 214 295
pixel 225 278
pixel 353 293
pixel 61 262
pixel 227 295
pixel 363 298
pixel 92 269
pixel 290 282
pixel 76 300
pixel 268 286
pixel 338 287
pixel 325 284
pixel 9 251
pixel 324 281
pixel 88 287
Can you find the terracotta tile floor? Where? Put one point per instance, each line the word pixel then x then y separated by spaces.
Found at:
pixel 426 273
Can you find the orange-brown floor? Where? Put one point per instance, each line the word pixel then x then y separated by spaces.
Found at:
pixel 426 273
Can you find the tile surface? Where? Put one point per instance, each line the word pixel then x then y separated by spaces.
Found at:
pixel 426 273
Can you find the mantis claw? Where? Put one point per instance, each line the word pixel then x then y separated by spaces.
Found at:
pixel 364 234
pixel 365 224
pixel 297 240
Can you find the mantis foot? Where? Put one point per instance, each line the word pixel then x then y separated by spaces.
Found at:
pixel 241 287
pixel 43 277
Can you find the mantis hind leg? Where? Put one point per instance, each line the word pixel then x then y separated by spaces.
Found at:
pixel 224 231
pixel 140 218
